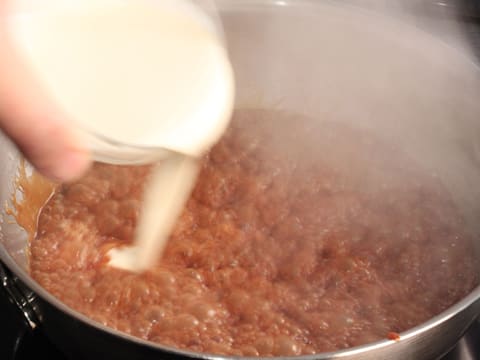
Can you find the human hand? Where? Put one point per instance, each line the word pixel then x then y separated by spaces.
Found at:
pixel 33 122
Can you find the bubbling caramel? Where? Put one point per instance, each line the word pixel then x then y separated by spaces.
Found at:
pixel 300 237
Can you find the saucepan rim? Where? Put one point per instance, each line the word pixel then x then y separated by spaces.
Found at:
pixel 462 305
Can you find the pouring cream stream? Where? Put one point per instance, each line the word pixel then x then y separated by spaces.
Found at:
pixel 148 74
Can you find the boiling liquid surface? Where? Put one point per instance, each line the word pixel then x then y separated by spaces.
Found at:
pixel 301 236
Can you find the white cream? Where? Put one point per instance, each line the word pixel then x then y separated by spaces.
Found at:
pixel 140 72
pixel 167 191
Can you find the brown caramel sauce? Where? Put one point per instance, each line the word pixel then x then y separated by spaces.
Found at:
pixel 31 193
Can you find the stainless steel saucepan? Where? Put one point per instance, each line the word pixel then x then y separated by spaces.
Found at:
pixel 333 63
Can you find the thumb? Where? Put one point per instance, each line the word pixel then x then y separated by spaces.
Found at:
pixel 33 122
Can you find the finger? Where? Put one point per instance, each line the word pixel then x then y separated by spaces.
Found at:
pixel 35 124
